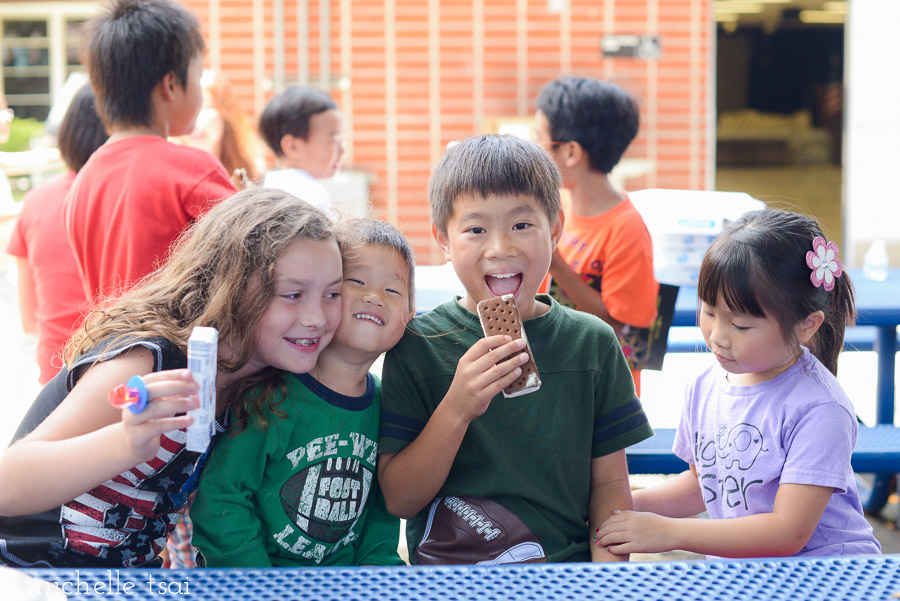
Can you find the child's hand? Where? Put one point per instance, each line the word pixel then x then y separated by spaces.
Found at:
pixel 481 374
pixel 168 393
pixel 635 532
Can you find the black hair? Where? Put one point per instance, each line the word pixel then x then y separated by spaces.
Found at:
pixel 81 131
pixel 758 263
pixel 130 48
pixel 289 112
pixel 489 165
pixel 599 115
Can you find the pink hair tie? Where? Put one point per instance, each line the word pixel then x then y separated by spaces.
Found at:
pixel 823 261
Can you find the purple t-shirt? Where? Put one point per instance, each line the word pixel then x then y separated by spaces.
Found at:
pixel 797 428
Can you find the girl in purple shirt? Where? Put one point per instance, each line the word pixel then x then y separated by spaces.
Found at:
pixel 767 430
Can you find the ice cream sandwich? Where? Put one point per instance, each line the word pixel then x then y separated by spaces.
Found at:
pixel 500 315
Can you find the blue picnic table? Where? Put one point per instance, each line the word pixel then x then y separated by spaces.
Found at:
pixel 831 579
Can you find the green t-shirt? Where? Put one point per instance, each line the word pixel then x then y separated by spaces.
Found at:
pixel 302 491
pixel 531 454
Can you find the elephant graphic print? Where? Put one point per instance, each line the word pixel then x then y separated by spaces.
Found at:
pixel 741 445
pixel 725 464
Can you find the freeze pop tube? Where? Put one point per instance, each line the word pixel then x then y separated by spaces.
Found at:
pixel 202 354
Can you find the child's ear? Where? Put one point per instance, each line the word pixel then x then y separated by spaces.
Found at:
pixel 166 86
pixel 289 145
pixel 442 241
pixel 556 228
pixel 809 326
pixel 572 153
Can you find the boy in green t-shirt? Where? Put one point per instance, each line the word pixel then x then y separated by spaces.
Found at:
pixel 480 477
pixel 297 487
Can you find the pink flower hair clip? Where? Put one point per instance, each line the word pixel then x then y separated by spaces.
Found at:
pixel 823 261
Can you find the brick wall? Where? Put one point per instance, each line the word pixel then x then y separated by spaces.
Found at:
pixel 411 75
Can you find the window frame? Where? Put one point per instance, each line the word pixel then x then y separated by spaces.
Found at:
pixel 56 14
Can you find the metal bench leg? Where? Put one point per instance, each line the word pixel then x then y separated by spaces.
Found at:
pixel 886 349
pixel 882 486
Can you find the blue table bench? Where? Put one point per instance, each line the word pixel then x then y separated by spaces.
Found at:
pixel 816 579
pixel 877 452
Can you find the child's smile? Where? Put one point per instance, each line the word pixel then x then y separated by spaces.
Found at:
pixel 370 317
pixel 305 344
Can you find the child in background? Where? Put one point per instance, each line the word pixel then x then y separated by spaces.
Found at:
pixel 221 128
pixel 138 192
pixel 304 128
pixel 89 485
pixel 51 298
pixel 297 487
pixel 604 262
pixel 543 469
pixel 768 432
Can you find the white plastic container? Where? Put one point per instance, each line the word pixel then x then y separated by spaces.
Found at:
pixel 202 359
pixel 682 225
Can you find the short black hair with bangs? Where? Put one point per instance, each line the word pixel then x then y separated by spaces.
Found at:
pixel 130 48
pixel 489 165
pixel 758 264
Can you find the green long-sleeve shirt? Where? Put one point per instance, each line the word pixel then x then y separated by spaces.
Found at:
pixel 303 490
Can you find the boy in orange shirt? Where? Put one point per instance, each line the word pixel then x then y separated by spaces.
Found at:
pixel 604 261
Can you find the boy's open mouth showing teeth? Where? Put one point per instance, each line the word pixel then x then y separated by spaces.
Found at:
pixel 503 283
pixel 368 317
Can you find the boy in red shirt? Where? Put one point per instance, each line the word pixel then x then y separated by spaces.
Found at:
pixel 138 192
pixel 604 261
